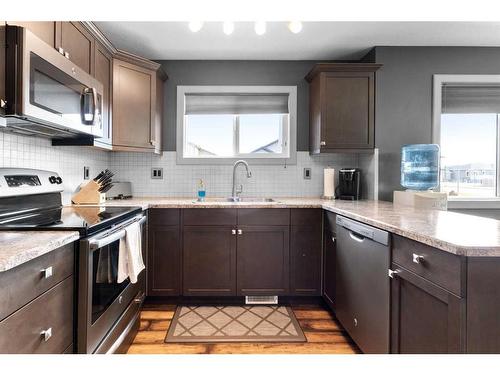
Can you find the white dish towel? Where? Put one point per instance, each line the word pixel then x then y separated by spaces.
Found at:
pixel 130 263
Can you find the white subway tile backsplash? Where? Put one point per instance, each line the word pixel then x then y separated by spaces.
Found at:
pixel 18 151
pixel 267 180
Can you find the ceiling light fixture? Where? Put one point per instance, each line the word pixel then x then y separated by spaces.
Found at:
pixel 195 26
pixel 228 27
pixel 295 27
pixel 260 27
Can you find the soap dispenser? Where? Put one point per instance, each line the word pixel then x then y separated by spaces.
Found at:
pixel 201 191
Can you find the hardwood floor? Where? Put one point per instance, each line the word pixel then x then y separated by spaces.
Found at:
pixel 323 332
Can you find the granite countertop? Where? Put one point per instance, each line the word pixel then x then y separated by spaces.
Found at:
pixel 452 232
pixel 20 247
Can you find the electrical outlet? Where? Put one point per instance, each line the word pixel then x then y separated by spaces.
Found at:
pixel 157 173
pixel 307 173
pixel 86 173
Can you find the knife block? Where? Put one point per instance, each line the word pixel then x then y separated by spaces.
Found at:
pixel 89 194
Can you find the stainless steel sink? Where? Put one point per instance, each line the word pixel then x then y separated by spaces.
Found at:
pixel 243 200
pixel 255 200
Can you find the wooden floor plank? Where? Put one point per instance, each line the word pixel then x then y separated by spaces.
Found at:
pixel 324 335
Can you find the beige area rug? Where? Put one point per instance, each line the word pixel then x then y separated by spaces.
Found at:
pixel 234 324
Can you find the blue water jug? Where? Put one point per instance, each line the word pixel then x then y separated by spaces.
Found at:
pixel 420 166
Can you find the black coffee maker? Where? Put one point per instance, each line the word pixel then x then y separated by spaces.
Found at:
pixel 349 187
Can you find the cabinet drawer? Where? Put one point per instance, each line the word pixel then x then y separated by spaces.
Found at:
pixel 441 268
pixel 164 216
pixel 264 216
pixel 306 216
pixel 52 311
pixel 212 216
pixel 22 284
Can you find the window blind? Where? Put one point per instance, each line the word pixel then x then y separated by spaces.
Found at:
pixel 470 99
pixel 218 104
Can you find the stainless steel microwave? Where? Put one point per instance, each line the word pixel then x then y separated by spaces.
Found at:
pixel 45 93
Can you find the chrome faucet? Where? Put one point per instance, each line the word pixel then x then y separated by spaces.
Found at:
pixel 236 192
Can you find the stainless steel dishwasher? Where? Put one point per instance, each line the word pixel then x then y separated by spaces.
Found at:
pixel 362 290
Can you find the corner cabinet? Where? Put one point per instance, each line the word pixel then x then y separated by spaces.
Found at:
pixel 136 119
pixel 342 107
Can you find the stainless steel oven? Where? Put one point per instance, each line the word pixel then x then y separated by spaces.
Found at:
pixel 107 310
pixel 46 93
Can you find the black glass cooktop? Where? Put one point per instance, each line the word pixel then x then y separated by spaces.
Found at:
pixel 86 220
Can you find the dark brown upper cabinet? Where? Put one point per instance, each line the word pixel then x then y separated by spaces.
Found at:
pixel 341 107
pixel 76 43
pixel 136 116
pixel 104 74
pixel 45 30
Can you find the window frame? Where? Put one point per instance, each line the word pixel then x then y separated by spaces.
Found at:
pixel 289 134
pixel 438 81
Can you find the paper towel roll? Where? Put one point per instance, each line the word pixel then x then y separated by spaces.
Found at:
pixel 329 183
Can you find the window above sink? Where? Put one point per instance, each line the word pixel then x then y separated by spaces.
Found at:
pixel 221 124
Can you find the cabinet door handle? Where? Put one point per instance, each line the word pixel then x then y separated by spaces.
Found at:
pixel 47 272
pixel 333 239
pixel 240 231
pixel 46 334
pixel 322 143
pixel 61 50
pixel 233 231
pixel 392 273
pixel 418 259
pixel 66 54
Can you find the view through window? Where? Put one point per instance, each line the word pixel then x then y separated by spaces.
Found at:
pixel 469 140
pixel 234 135
pixel 230 122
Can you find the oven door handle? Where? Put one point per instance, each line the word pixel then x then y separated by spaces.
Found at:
pixel 96 243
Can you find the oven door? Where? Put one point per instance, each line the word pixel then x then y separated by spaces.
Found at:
pixel 102 300
pixel 49 88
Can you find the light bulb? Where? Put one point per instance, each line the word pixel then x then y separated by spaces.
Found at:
pixel 295 27
pixel 228 27
pixel 195 26
pixel 260 27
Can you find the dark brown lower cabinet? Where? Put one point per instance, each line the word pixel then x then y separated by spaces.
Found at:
pixel 164 265
pixel 425 318
pixel 209 261
pixel 329 267
pixel 263 260
pixel 305 251
pixel 305 260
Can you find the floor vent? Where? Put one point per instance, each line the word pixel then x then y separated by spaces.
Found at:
pixel 261 300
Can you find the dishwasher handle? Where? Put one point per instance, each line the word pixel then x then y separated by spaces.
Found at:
pixel 360 232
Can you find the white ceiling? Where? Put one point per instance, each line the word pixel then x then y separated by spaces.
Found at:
pixel 317 41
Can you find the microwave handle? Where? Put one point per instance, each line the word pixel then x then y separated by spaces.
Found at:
pixel 94 105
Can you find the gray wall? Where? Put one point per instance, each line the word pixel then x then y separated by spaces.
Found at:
pixel 197 72
pixel 404 97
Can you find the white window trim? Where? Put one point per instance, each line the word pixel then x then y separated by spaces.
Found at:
pixel 438 81
pixel 291 136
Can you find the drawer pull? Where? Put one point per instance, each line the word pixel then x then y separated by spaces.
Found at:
pixel 240 231
pixel 46 334
pixel 47 272
pixel 418 259
pixel 233 231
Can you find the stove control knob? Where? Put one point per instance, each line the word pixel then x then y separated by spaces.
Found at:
pixel 58 180
pixel 52 179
